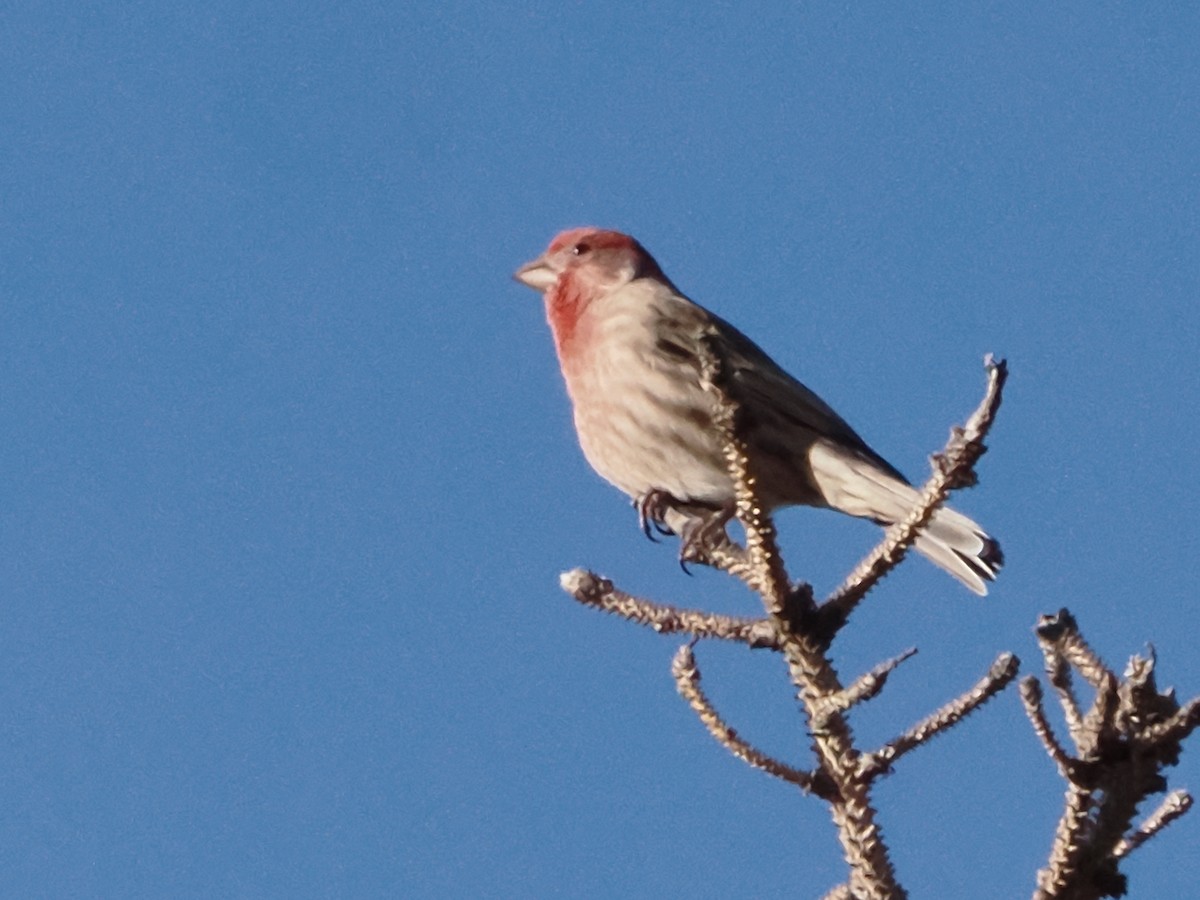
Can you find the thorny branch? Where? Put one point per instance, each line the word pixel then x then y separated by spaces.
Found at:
pixel 1174 805
pixel 1058 673
pixel 1031 699
pixel 868 685
pixel 872 876
pixel 1001 673
pixel 953 468
pixel 592 590
pixel 1130 733
pixel 687 680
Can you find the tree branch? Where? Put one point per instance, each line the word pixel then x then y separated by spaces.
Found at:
pixel 1058 673
pixel 872 876
pixel 1174 805
pixel 1031 697
pixel 592 590
pixel 869 684
pixel 952 468
pixel 998 677
pixel 802 632
pixel 1131 732
pixel 687 679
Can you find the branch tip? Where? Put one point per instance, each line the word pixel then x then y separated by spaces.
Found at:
pixel 599 593
pixel 869 684
pixel 998 677
pixel 953 468
pixel 1173 806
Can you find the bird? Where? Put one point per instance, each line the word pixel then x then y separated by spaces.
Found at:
pixel 631 349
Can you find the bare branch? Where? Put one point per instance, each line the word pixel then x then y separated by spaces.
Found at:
pixel 592 590
pixel 1177 727
pixel 966 445
pixel 687 680
pixel 790 609
pixel 867 685
pixel 1174 805
pixel 1099 724
pixel 721 552
pixel 709 547
pixel 1002 671
pixel 1061 878
pixel 765 573
pixel 953 468
pixel 1128 735
pixel 1058 673
pixel 1031 697
pixel 1061 632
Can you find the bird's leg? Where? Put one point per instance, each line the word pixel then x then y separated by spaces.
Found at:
pixel 651 508
pixel 704 528
pixel 700 526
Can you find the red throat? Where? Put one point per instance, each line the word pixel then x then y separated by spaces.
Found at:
pixel 566 303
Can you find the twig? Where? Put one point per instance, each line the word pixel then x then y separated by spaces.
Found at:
pixel 687 679
pixel 1060 633
pixel 953 468
pixel 869 684
pixel 1031 697
pixel 1002 671
pixel 592 590
pixel 711 547
pixel 1058 673
pixel 1178 726
pixel 765 573
pixel 1174 805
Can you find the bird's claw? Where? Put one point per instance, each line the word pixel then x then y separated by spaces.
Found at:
pixel 699 526
pixel 651 507
pixel 700 534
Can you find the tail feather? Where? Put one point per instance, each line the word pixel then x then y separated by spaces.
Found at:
pixel 971 556
pixel 854 484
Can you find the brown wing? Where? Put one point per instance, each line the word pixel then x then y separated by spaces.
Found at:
pixel 762 384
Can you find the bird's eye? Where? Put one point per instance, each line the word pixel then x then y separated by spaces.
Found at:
pixel 581 248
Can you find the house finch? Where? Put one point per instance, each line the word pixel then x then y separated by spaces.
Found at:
pixel 629 344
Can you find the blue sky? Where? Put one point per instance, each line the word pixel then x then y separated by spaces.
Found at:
pixel 289 475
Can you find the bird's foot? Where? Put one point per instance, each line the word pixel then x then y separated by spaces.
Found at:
pixel 702 536
pixel 701 528
pixel 652 508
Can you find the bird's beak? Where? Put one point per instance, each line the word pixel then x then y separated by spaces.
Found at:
pixel 539 274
